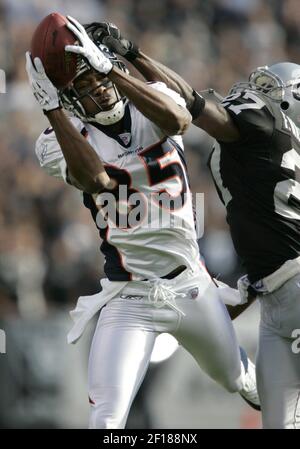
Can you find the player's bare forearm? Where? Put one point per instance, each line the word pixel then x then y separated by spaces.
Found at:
pixel 214 119
pixel 156 106
pixel 153 70
pixel 83 162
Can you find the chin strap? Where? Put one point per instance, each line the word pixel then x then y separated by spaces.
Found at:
pixel 112 116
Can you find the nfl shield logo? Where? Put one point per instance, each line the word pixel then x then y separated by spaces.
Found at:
pixel 194 293
pixel 125 137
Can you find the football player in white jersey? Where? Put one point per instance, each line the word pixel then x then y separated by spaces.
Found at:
pixel 122 146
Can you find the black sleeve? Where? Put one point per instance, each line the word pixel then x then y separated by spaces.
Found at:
pixel 252 115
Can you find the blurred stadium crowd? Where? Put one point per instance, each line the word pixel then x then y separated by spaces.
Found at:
pixel 49 249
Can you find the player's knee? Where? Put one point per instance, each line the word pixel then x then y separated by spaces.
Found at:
pixel 108 410
pixel 99 419
pixel 104 422
pixel 232 387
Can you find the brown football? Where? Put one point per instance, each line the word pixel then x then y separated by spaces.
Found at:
pixel 48 43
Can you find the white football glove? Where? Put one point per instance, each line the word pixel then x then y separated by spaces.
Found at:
pixel 44 91
pixel 89 50
pixel 228 295
pixel 242 285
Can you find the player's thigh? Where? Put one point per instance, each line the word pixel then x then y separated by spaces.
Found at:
pixel 206 332
pixel 280 310
pixel 278 380
pixel 119 356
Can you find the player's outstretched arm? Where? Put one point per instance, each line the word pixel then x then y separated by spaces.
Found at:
pixel 207 115
pixel 211 117
pixel 158 107
pixel 155 105
pixel 153 70
pixel 83 162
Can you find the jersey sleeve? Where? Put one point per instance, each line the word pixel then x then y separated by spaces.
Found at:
pixel 49 153
pixel 251 114
pixel 162 87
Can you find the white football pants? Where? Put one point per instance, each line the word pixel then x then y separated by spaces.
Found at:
pixel 189 308
pixel 278 358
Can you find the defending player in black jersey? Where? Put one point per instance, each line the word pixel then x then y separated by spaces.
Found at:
pixel 255 178
pixel 255 165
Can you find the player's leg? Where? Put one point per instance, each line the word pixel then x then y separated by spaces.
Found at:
pixel 278 381
pixel 278 362
pixel 236 302
pixel 119 359
pixel 207 333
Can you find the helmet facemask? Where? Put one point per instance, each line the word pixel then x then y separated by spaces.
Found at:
pixel 71 98
pixel 280 83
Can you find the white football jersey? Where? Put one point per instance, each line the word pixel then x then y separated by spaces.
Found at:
pixel 151 231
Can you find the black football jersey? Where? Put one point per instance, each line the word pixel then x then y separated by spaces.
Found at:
pixel 257 179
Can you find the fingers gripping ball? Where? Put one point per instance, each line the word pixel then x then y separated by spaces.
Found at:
pixel 87 48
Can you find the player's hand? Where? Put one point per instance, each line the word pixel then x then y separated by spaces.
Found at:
pixel 242 284
pixel 44 91
pixel 109 34
pixel 88 49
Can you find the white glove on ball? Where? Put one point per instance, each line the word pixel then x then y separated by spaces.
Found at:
pixel 89 50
